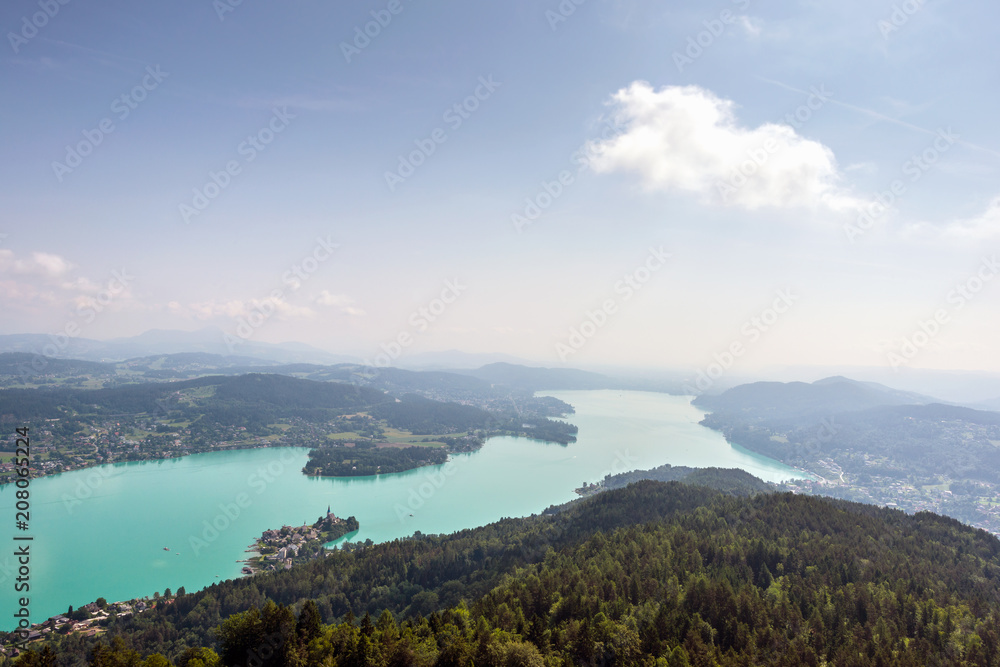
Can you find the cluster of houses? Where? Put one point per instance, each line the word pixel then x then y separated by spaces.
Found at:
pixel 63 624
pixel 279 548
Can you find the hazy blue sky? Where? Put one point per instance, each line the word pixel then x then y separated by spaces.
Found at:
pixel 740 138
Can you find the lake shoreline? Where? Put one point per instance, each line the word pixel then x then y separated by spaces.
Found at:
pixel 213 504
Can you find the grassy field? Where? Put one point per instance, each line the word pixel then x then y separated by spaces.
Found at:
pixel 398 437
pixel 189 395
pixel 346 435
pixel 392 437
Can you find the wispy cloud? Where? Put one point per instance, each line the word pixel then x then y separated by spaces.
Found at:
pixel 44 279
pixel 751 25
pixel 981 227
pixel 303 101
pixel 340 302
pixel 234 308
pixel 42 264
pixel 888 119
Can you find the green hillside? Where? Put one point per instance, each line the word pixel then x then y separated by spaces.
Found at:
pixel 652 574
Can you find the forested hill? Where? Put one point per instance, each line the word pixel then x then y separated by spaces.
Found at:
pixel 728 480
pixel 129 382
pixel 24 364
pixel 422 415
pixel 264 395
pixel 797 402
pixel 655 573
pixel 872 434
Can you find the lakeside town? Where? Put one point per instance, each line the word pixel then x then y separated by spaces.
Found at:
pixel 135 439
pixel 88 620
pixel 276 549
pixel 279 549
pixel 973 503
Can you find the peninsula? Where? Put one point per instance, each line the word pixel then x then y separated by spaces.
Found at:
pixel 281 548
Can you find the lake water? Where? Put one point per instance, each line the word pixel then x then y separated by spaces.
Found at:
pixel 101 532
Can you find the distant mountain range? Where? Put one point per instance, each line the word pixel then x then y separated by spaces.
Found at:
pixel 535 379
pixel 801 401
pixel 160 342
pixel 993 404
pixel 35 385
pixel 452 359
pixel 971 388
pixel 188 349
pixel 17 368
pixel 875 434
pixel 214 341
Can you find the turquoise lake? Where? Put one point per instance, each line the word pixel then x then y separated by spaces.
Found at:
pixel 101 532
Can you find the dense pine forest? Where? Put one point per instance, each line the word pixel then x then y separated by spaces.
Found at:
pixel 651 574
pixel 366 459
pixel 731 480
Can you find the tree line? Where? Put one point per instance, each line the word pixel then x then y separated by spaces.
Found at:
pixel 651 574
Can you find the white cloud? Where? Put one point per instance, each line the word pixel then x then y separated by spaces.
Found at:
pixel 43 281
pixel 41 264
pixel 81 284
pixel 688 139
pixel 326 298
pixel 342 302
pixel 751 25
pixel 13 291
pixel 234 308
pixel 53 265
pixel 979 228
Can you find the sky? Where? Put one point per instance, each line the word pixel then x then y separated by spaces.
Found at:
pixel 720 186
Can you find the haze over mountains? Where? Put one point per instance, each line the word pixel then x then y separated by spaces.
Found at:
pixel 870 443
pixel 803 401
pixel 158 341
pixel 859 437
pixel 978 390
pixel 957 386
